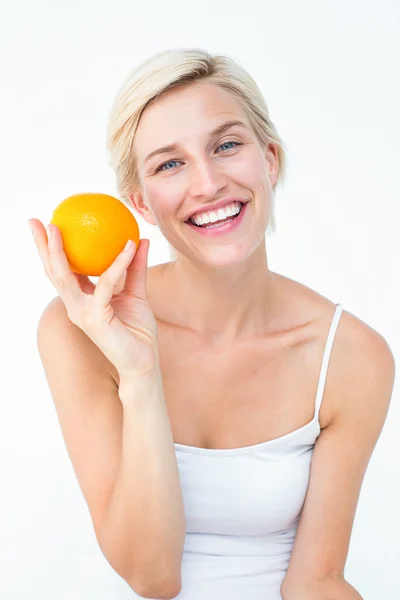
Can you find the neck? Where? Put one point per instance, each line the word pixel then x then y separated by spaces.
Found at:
pixel 222 304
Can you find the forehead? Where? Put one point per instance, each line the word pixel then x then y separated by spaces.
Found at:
pixel 183 113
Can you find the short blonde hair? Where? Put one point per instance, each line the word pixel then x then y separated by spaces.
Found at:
pixel 170 69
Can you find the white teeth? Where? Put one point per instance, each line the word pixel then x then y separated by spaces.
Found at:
pixel 217 215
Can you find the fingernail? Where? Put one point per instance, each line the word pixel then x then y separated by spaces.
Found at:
pixel 128 245
pixel 48 230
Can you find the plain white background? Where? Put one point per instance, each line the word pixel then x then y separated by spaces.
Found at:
pixel 329 72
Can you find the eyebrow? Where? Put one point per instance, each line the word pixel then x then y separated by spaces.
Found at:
pixel 217 131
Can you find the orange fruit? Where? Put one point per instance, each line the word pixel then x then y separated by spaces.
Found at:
pixel 94 228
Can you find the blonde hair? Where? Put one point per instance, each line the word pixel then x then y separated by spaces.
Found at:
pixel 170 69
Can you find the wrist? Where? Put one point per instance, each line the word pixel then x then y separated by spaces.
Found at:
pixel 132 373
pixel 133 385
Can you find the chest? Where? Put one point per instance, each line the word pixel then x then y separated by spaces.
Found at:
pixel 242 395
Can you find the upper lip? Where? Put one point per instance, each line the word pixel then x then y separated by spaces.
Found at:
pixel 216 206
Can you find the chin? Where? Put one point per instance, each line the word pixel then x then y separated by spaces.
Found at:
pixel 225 257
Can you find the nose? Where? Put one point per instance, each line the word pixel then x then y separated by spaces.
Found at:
pixel 206 179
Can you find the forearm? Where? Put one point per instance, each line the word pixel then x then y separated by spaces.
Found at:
pixel 338 589
pixel 143 530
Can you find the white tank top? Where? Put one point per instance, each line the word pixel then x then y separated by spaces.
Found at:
pixel 242 508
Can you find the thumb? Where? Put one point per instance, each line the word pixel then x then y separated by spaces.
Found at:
pixel 136 272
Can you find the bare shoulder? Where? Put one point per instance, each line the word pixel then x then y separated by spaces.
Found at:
pixel 361 356
pixel 364 360
pixel 357 345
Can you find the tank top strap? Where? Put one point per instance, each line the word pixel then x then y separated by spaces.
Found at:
pixel 326 357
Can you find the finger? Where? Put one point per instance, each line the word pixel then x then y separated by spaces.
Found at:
pixel 108 281
pixel 40 239
pixel 136 273
pixel 62 277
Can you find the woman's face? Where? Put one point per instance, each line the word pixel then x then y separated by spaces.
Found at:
pixel 203 168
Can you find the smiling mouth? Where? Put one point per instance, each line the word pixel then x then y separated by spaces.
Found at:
pixel 210 225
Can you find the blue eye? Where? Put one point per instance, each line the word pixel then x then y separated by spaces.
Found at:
pixel 225 143
pixel 161 167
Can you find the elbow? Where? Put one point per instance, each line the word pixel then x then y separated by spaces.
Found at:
pixel 152 585
pixel 158 577
pixel 152 588
pixel 162 581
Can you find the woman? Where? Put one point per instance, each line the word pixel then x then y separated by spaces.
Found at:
pixel 218 455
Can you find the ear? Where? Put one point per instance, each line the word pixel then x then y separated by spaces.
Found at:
pixel 140 206
pixel 272 162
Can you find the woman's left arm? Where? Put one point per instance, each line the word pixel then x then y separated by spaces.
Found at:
pixel 362 390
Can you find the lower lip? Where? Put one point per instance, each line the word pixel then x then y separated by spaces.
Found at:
pixel 222 229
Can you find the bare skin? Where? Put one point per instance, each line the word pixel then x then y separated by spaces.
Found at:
pixel 256 389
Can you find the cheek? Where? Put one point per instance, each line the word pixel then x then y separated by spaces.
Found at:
pixel 162 199
pixel 251 176
pixel 251 171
